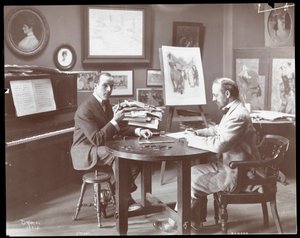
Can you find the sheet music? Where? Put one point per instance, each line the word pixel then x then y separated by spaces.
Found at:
pixel 32 96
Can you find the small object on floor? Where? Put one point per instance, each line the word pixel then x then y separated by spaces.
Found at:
pixel 164 226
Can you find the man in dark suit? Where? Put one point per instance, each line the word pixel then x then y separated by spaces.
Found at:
pixel 95 123
pixel 234 139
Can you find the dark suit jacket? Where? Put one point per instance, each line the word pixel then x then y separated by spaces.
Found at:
pixel 92 129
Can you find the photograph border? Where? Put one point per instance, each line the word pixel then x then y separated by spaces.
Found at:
pixel 14 20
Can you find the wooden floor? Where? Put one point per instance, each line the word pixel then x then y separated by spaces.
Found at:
pixel 51 215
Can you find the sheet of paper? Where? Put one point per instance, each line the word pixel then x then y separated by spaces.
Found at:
pixel 32 96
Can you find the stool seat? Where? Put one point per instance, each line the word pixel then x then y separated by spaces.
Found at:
pixel 101 197
pixel 101 177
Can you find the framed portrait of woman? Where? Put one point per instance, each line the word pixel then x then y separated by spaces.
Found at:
pixel 26 31
pixel 279 27
pixel 65 57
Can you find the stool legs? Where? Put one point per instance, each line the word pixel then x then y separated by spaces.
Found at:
pixel 79 204
pixel 96 179
pixel 97 189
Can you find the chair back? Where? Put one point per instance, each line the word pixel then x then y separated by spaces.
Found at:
pixel 273 148
pixel 262 172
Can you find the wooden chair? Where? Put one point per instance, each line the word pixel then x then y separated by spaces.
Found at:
pixel 272 149
pixel 102 197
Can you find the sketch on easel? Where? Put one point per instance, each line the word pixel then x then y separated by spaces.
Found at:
pixel 251 84
pixel 183 76
pixel 283 86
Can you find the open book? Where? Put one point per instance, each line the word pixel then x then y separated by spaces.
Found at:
pixel 32 96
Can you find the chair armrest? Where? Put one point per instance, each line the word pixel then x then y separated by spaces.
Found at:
pixel 251 164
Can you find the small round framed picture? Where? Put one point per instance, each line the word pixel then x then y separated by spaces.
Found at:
pixel 65 57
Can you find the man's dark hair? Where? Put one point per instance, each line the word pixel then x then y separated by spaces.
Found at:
pixel 97 78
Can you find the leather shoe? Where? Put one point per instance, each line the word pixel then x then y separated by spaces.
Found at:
pixel 133 205
pixel 197 226
pixel 164 226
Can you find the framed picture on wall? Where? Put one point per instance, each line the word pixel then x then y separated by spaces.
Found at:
pixel 154 78
pixel 150 96
pixel 123 82
pixel 279 27
pixel 283 85
pixel 251 72
pixel 107 29
pixel 188 34
pixel 86 80
pixel 26 31
pixel 266 78
pixel 65 57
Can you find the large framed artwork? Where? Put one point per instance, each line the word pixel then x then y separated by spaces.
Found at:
pixel 123 82
pixel 279 27
pixel 183 76
pixel 266 78
pixel 26 31
pixel 108 28
pixel 283 85
pixel 150 96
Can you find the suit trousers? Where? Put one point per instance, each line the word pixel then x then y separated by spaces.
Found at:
pixel 133 168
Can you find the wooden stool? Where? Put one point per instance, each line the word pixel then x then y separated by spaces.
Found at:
pixel 101 197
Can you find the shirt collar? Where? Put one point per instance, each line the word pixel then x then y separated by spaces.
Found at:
pixel 98 98
pixel 228 105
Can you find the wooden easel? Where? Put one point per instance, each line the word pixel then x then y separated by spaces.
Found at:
pixel 169 126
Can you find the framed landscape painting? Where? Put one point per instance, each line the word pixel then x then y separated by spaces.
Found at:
pixel 123 82
pixel 150 96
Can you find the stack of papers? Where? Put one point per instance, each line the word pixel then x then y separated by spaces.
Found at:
pixel 141 115
pixel 270 115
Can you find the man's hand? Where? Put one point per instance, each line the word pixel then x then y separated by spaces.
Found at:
pixel 118 115
pixel 146 133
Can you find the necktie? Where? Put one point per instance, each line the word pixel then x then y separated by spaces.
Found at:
pixel 104 105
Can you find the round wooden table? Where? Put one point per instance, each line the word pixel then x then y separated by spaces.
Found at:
pixel 158 148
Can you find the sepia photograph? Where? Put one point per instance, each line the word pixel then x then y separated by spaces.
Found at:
pixel 149 119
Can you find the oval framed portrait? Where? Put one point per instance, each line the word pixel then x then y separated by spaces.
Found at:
pixel 65 57
pixel 279 28
pixel 26 31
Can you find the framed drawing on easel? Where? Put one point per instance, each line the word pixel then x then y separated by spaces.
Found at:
pixel 183 76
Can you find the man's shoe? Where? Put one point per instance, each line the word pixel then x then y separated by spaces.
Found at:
pixel 133 205
pixel 164 226
pixel 197 226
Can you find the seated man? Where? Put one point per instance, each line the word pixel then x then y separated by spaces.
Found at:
pixel 234 139
pixel 95 123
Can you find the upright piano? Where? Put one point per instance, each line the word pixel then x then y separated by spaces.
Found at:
pixel 37 145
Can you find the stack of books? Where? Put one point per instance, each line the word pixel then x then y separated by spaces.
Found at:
pixel 141 115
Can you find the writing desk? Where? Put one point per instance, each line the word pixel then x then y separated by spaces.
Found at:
pixel 130 149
